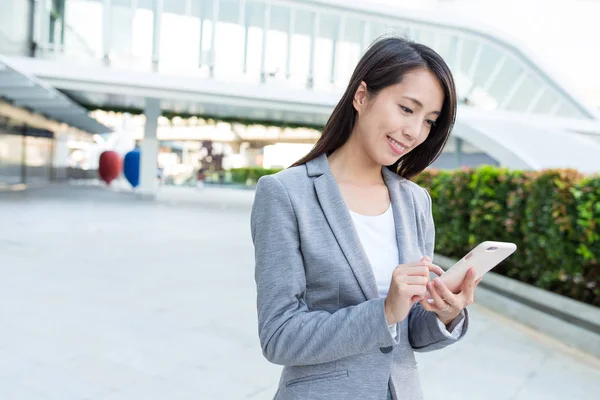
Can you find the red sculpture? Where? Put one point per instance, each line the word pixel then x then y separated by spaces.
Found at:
pixel 110 166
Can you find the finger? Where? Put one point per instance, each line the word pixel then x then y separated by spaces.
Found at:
pixel 437 270
pixel 426 259
pixel 428 306
pixel 446 294
pixel 437 298
pixel 469 284
pixel 415 280
pixel 404 269
pixel 416 271
pixel 416 290
pixel 469 281
pixel 414 264
pixel 423 268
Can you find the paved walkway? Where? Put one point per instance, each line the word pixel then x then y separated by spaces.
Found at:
pixel 106 297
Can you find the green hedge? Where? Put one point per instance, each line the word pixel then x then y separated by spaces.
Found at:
pixel 451 194
pixel 250 175
pixel 553 216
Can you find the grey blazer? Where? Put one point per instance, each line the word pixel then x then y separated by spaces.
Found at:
pixel 319 313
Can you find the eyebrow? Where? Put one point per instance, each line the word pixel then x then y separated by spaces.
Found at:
pixel 417 102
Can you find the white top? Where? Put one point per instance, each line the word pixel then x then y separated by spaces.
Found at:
pixel 378 238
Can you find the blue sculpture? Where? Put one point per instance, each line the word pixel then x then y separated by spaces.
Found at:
pixel 131 167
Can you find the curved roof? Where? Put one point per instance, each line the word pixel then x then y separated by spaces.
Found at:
pixel 26 91
pixel 294 76
pixel 525 146
pixel 492 69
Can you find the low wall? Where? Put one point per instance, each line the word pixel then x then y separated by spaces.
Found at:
pixel 77 173
pixel 572 322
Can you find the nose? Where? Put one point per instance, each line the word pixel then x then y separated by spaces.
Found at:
pixel 412 131
pixel 407 134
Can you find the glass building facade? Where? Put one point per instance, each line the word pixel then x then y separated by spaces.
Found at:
pixel 26 155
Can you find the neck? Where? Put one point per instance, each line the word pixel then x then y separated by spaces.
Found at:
pixel 350 163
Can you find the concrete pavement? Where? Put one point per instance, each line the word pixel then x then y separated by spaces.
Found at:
pixel 107 297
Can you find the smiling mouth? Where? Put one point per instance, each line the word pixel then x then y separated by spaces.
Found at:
pixel 397 146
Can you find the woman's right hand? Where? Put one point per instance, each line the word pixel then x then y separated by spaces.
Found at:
pixel 408 286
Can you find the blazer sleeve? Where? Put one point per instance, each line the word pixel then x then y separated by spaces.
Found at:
pixel 424 332
pixel 291 334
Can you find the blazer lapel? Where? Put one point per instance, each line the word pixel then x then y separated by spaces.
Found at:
pixel 340 222
pixel 402 214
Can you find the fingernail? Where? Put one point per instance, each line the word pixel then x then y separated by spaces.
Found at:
pixel 438 282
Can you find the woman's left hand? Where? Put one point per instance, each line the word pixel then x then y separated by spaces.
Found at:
pixel 446 304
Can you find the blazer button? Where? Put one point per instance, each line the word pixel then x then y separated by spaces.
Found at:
pixel 386 349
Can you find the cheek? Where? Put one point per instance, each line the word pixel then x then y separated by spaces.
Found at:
pixel 373 126
pixel 388 120
pixel 380 121
pixel 425 135
pixel 422 139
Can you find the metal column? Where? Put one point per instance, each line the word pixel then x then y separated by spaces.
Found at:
pixel 149 150
pixel 158 7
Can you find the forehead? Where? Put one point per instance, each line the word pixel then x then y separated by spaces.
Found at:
pixel 421 85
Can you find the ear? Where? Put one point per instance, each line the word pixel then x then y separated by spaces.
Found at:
pixel 360 97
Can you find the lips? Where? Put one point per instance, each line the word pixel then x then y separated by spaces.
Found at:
pixel 396 146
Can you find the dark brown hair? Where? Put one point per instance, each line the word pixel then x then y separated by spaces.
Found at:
pixel 384 64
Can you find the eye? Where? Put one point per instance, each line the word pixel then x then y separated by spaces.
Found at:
pixel 430 122
pixel 406 110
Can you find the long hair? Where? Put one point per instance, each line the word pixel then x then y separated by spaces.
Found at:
pixel 384 64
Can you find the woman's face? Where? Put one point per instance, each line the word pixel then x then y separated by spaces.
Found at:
pixel 399 117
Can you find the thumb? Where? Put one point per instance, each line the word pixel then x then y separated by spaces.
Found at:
pixel 426 259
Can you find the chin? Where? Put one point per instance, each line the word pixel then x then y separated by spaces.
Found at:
pixel 386 160
pixel 390 159
pixel 387 157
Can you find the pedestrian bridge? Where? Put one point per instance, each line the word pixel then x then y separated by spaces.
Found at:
pixel 286 61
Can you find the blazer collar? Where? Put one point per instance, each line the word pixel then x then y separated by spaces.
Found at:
pixel 403 209
pixel 318 166
pixel 340 221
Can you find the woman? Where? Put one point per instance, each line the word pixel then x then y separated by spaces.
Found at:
pixel 344 241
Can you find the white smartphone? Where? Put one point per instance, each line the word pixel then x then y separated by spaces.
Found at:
pixel 484 257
